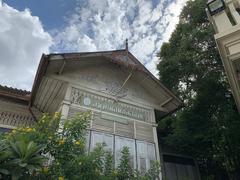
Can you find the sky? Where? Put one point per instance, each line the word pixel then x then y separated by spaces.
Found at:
pixel 29 28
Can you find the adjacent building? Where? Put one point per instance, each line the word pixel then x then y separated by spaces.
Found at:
pixel 225 17
pixel 125 98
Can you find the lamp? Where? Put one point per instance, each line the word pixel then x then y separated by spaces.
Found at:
pixel 215 6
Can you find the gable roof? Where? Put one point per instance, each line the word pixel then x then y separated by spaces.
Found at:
pixel 120 57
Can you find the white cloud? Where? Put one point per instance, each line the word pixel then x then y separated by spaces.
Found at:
pixel 22 41
pixel 105 24
pixel 93 26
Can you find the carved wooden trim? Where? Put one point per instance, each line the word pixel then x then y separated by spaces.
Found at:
pixel 90 100
pixel 16 120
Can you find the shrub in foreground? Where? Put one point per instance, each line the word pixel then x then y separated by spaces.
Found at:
pixel 55 149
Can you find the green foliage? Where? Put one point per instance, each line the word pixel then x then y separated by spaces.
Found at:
pixel 19 157
pixel 108 164
pixel 55 149
pixel 125 170
pixel 154 171
pixel 207 127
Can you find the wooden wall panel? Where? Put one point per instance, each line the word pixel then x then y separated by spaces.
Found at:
pixel 144 131
pixel 58 98
pixel 50 95
pixel 41 93
pixel 176 171
pixel 112 125
pixel 55 87
pixel 73 111
pixel 37 102
pixel 102 124
pixel 126 130
pixel 48 91
pixel 170 171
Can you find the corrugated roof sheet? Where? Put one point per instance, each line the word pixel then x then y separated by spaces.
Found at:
pixel 14 90
pixel 14 93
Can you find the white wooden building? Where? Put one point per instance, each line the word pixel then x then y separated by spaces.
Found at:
pixel 125 98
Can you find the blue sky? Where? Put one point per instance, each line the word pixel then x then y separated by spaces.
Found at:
pixel 50 12
pixel 32 27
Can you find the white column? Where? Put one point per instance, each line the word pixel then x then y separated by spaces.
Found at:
pixel 65 109
pixel 155 138
pixel 156 142
pixel 66 103
pixel 221 21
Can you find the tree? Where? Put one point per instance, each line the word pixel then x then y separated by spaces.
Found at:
pixel 206 128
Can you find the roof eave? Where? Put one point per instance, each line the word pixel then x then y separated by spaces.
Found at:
pixel 39 75
pixel 159 83
pixel 46 58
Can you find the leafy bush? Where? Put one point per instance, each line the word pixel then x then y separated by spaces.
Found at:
pixel 53 149
pixel 125 171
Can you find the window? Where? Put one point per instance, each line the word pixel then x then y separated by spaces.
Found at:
pixel 99 138
pixel 142 153
pixel 151 154
pixel 141 156
pixel 145 155
pixel 120 142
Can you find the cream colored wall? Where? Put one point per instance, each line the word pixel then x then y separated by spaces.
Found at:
pixel 98 81
pixel 130 128
pixel 99 78
pixel 228 41
pixel 221 21
pixel 95 80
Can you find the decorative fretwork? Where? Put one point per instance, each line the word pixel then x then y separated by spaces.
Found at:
pixel 16 120
pixel 101 103
pixel 115 88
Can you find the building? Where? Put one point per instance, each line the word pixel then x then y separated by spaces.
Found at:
pixel 125 98
pixel 225 17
